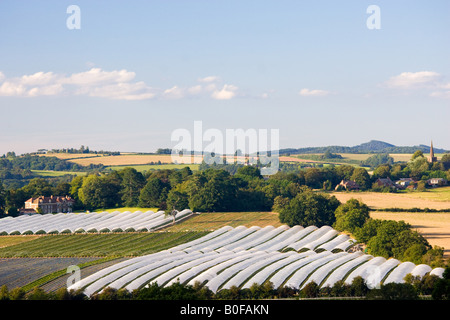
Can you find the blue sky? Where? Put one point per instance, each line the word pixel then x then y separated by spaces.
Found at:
pixel 138 70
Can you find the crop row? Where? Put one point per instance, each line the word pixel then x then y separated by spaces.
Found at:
pixel 81 245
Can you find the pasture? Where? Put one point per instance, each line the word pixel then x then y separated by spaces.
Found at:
pixel 51 173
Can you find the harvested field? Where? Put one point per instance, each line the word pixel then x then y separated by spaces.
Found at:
pixel 130 159
pixel 435 199
pixel 147 167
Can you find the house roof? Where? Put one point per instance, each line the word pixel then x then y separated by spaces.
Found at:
pixel 51 199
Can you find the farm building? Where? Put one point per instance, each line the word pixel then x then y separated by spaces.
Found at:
pixel 385 182
pixel 347 185
pixel 52 204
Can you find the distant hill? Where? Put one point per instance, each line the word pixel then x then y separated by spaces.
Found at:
pixel 373 146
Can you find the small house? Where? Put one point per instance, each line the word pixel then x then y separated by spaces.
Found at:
pixel 347 185
pixel 437 182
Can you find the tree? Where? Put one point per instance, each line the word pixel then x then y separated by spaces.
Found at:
pixel 75 186
pixel 310 208
pixel 377 160
pixel 344 172
pixel 177 200
pixel 279 203
pixel 99 192
pixel 383 171
pixel 249 172
pixel 131 185
pixel 340 289
pixel 38 187
pixel 362 178
pixel 434 257
pixel 37 294
pixel 311 290
pixel 2 198
pixel 351 216
pixel 417 154
pixel 358 287
pixel 418 166
pixel 154 193
pixel 398 291
pixel 212 190
pixel 441 289
pixel 388 238
pixel 313 178
pixel 62 189
pixel 4 293
pixel 17 294
pixel 445 160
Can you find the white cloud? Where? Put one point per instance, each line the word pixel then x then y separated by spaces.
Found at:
pixel 209 79
pixel 38 79
pixel 440 94
pixel 50 90
pixel 226 93
pixel 425 82
pixel 174 93
pixel 123 91
pixel 97 76
pixel 195 90
pixel 9 88
pixel 115 84
pixel 409 80
pixel 313 93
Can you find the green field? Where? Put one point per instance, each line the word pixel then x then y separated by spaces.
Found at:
pixel 147 167
pixel 214 220
pixel 50 173
pixel 97 245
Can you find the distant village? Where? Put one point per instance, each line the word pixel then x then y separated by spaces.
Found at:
pixel 401 184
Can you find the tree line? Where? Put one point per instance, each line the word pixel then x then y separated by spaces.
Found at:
pixel 412 289
pixel 16 172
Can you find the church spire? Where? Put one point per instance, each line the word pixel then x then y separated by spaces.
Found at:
pixel 432 158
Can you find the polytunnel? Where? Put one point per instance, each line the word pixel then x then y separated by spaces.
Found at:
pixel 400 272
pixel 340 272
pixel 365 269
pixel 242 256
pixel 322 272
